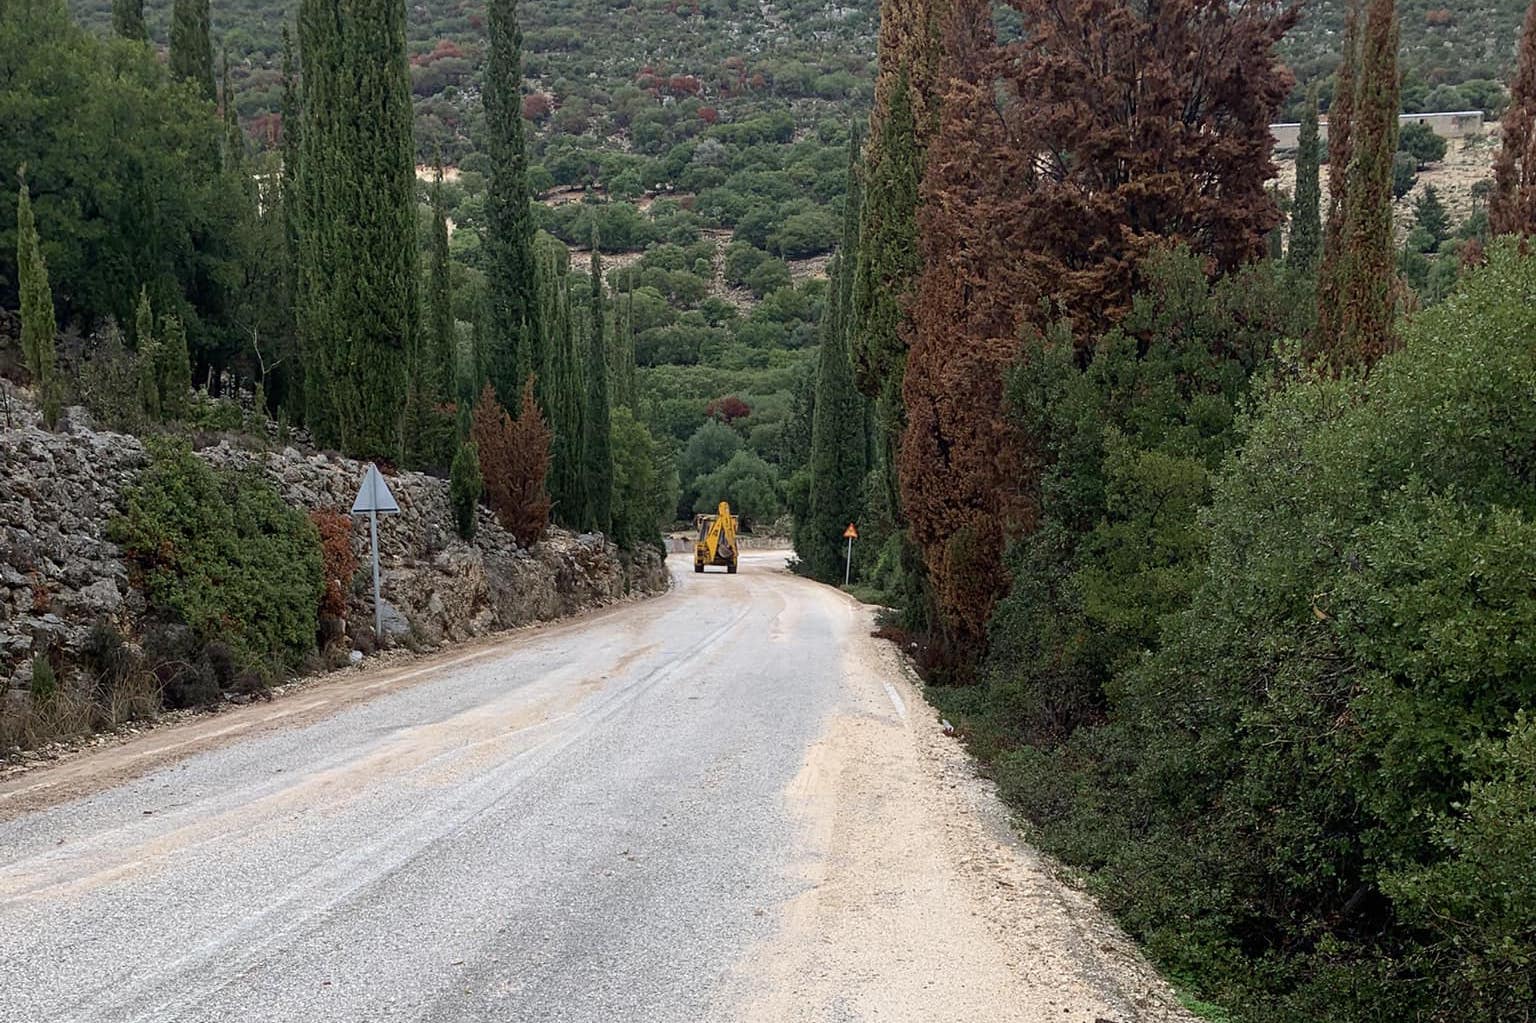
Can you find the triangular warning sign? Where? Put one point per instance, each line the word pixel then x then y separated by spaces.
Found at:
pixel 374 495
pixel 850 533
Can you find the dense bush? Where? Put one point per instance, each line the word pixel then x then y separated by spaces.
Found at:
pixel 220 553
pixel 1297 795
pixel 338 557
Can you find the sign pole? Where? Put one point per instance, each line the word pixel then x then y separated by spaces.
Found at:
pixel 848 562
pixel 373 539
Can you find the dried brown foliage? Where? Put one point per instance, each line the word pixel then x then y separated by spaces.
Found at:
pixel 1512 204
pixel 957 461
pixel 340 560
pixel 514 462
pixel 1060 163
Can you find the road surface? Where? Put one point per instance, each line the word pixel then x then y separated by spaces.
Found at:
pixel 727 803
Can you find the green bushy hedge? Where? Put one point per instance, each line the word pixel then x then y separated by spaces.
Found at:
pixel 1310 790
pixel 220 553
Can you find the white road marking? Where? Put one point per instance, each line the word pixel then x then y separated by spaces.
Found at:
pixel 901 708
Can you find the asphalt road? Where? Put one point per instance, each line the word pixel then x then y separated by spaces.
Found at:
pixel 720 804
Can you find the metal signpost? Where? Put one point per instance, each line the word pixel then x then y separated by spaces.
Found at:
pixel 850 534
pixel 374 498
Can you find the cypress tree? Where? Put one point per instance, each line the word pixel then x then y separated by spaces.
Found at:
pixel 513 330
pixel 191 56
pixel 1306 211
pixel 599 424
pixel 234 138
pixel 1512 204
pixel 1340 116
pixel 562 384
pixel 288 195
pixel 887 263
pixel 1367 293
pixel 440 342
pixel 358 267
pixel 173 369
pixel 621 352
pixel 147 359
pixel 128 20
pixel 838 430
pixel 38 326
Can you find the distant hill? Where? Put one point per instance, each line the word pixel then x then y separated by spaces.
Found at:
pixel 1455 55
pixel 597 62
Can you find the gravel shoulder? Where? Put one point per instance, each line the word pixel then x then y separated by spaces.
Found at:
pixel 920 901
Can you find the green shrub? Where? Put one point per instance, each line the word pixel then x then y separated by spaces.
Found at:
pixel 465 487
pixel 221 553
pixel 1310 791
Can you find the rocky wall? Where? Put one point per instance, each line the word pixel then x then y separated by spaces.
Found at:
pixel 59 574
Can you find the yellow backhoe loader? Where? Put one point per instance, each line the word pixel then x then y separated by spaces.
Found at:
pixel 717 540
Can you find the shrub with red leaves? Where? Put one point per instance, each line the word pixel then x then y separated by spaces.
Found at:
pixel 728 409
pixel 514 462
pixel 340 560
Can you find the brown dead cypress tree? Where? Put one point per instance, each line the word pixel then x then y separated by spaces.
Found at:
pixel 1368 288
pixel 1512 206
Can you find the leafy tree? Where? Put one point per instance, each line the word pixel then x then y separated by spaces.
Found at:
pixel 747 482
pixel 1421 142
pixel 598 445
pixel 511 274
pixel 37 320
pixel 151 211
pixel 1404 174
pixel 1429 214
pixel 128 20
pixel 191 48
pixel 1512 204
pixel 465 486
pixel 1306 215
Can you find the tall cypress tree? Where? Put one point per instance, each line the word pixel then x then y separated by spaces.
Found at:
pixel 562 383
pixel 439 355
pixel 1512 205
pixel 38 326
pixel 621 352
pixel 599 424
pixel 128 20
pixel 357 229
pixel 234 138
pixel 147 358
pixel 1340 148
pixel 838 423
pixel 1367 283
pixel 513 331
pixel 292 372
pixel 1306 211
pixel 191 48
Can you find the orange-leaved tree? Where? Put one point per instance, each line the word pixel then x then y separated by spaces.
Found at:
pixel 514 462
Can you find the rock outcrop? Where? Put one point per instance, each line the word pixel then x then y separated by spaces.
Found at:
pixel 59 574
